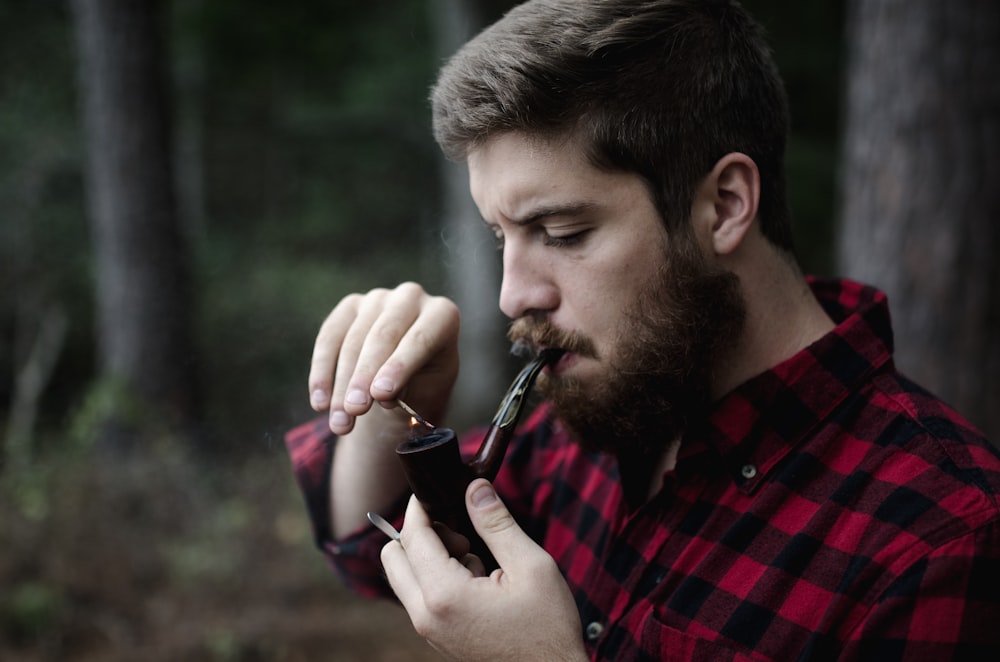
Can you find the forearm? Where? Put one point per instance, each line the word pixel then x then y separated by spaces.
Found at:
pixel 355 558
pixel 365 474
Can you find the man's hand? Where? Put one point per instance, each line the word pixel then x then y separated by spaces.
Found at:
pixel 375 345
pixel 374 348
pixel 522 611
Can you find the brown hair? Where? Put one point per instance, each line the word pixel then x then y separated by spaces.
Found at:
pixel 662 88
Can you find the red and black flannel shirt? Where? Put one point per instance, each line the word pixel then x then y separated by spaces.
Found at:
pixel 828 509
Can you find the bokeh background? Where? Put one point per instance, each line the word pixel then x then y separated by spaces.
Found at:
pixel 147 509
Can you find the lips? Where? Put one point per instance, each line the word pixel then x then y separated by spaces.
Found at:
pixel 562 363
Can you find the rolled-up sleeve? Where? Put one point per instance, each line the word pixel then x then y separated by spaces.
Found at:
pixel 355 558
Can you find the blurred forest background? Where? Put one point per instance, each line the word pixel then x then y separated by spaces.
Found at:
pixel 188 187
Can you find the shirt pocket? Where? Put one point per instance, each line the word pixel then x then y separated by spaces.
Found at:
pixel 663 642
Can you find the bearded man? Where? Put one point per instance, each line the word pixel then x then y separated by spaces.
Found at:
pixel 727 464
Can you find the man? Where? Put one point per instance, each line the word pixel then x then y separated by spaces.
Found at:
pixel 727 464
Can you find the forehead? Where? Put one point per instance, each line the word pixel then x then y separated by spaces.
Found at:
pixel 513 171
pixel 516 152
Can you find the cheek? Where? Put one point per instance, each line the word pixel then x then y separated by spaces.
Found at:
pixel 623 280
pixel 602 308
pixel 608 283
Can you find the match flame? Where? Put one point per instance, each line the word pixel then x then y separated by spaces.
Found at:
pixel 416 419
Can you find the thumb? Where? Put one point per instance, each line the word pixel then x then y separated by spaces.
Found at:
pixel 496 526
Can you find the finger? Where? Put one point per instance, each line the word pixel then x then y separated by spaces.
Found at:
pixel 326 350
pixel 457 545
pixel 433 567
pixel 353 372
pixel 371 345
pixel 418 530
pixel 473 564
pixel 380 321
pixel 400 576
pixel 429 346
pixel 509 544
pixel 335 354
pixel 397 313
pixel 397 563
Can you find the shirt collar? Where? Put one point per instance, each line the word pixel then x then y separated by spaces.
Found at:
pixel 756 425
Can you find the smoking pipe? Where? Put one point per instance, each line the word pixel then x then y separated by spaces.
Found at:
pixel 436 472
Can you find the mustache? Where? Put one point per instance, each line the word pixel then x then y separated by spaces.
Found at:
pixel 541 333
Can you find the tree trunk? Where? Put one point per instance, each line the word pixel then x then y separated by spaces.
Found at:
pixel 473 270
pixel 141 272
pixel 920 216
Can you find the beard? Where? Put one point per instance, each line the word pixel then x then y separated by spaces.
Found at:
pixel 671 340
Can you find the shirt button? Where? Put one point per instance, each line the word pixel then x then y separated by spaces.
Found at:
pixel 748 471
pixel 594 630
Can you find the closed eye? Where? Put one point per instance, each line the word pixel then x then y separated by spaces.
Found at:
pixel 554 235
pixel 563 241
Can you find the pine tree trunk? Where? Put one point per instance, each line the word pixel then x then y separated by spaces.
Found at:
pixel 141 274
pixel 473 268
pixel 921 162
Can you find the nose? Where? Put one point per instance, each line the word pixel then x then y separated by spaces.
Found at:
pixel 528 286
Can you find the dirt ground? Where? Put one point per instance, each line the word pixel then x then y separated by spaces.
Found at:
pixel 158 557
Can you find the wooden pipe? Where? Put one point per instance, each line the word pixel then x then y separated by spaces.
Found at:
pixel 439 477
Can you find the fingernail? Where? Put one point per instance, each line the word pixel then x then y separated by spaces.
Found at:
pixel 383 384
pixel 484 496
pixel 340 419
pixel 356 397
pixel 318 398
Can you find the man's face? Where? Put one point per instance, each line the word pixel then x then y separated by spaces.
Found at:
pixel 587 267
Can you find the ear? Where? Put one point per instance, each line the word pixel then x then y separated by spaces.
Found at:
pixel 733 188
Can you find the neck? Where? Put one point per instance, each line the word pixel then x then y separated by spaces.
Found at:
pixel 642 475
pixel 782 318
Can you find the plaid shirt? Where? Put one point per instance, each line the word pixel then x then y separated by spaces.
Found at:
pixel 827 509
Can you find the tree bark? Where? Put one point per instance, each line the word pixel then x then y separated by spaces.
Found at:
pixel 920 216
pixel 143 300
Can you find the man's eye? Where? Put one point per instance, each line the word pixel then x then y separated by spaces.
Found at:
pixel 561 241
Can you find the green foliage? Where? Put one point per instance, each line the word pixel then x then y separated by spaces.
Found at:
pixel 30 610
pixel 105 401
pixel 27 492
pixel 195 559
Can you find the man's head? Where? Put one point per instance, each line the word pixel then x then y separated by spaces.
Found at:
pixel 617 149
pixel 588 267
pixel 661 88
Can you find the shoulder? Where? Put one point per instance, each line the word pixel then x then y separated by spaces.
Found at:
pixel 925 427
pixel 916 464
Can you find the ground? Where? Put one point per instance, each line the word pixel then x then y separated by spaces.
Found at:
pixel 160 557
